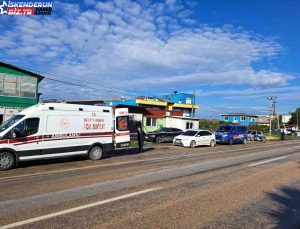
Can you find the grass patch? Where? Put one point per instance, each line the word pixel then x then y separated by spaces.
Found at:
pixel 272 137
pixel 135 144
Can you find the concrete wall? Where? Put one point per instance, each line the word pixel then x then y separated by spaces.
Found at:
pixel 160 122
pixel 181 123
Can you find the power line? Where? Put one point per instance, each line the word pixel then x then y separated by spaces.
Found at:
pixel 78 85
pixel 75 84
pixel 83 81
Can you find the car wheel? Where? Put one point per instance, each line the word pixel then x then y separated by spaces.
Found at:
pixel 7 161
pixel 95 153
pixel 212 143
pixel 158 140
pixel 193 144
pixel 231 142
pixel 245 141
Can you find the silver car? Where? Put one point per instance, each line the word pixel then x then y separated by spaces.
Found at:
pixel 255 135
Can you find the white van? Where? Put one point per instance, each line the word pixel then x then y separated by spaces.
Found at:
pixel 56 130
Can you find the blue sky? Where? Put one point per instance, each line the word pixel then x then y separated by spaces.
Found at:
pixel 233 54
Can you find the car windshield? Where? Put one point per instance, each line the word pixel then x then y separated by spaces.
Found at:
pixel 224 129
pixel 163 129
pixel 10 122
pixel 190 133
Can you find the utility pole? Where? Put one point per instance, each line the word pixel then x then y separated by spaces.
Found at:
pixel 272 99
pixel 278 124
pixel 297 118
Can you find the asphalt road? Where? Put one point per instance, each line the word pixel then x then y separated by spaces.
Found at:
pixel 242 186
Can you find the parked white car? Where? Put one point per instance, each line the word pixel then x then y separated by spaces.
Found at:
pixel 193 138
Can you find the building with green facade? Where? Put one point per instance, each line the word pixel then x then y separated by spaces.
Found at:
pixel 18 90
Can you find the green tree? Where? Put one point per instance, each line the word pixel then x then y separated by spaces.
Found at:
pixel 263 128
pixel 209 124
pixel 294 117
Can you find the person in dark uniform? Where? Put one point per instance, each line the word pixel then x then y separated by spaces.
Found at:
pixel 141 136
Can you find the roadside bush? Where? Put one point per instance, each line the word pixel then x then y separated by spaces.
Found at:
pixel 209 124
pixel 263 128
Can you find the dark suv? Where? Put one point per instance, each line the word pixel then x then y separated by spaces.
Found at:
pixel 164 134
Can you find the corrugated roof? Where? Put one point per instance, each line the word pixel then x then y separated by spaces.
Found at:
pixel 238 114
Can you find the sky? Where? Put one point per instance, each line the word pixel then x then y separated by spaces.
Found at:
pixel 231 54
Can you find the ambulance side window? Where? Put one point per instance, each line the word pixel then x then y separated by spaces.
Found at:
pixel 26 128
pixel 122 123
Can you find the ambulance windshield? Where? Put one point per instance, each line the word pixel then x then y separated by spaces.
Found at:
pixel 10 122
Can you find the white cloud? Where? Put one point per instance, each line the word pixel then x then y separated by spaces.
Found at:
pixel 229 77
pixel 90 2
pixel 252 91
pixel 139 45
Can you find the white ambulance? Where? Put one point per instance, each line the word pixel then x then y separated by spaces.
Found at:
pixel 53 130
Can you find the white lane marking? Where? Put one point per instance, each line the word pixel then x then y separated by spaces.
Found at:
pixel 71 210
pixel 134 161
pixel 267 161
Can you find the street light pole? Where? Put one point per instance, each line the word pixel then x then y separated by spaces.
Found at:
pixel 272 99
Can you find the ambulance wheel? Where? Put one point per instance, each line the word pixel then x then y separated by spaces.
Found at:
pixel 95 153
pixel 7 161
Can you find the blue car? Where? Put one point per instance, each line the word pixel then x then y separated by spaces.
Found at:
pixel 231 134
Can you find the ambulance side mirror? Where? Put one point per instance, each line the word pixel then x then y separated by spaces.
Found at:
pixel 13 133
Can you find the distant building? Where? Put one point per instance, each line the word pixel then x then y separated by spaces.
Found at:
pixel 285 118
pixel 18 90
pixel 153 119
pixel 240 118
pixel 176 110
pixel 263 120
pixel 182 102
pixel 175 102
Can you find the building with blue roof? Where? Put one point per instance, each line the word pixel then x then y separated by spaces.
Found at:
pixel 239 118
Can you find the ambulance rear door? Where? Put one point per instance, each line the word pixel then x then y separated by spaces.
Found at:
pixel 122 134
